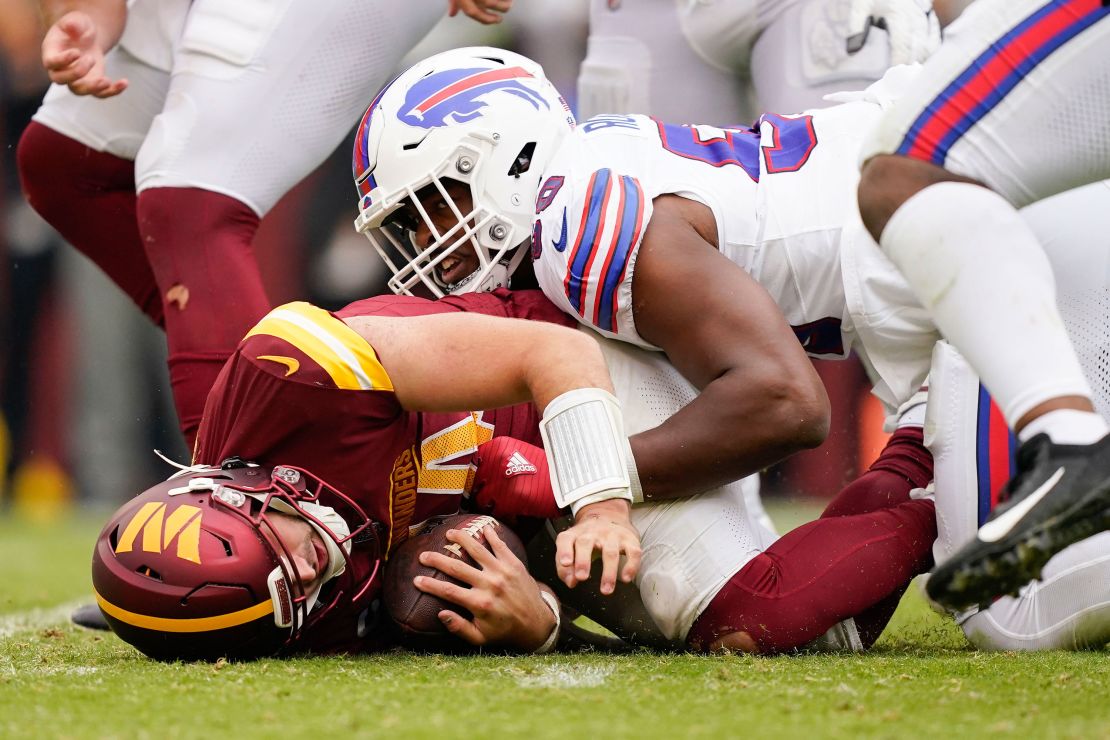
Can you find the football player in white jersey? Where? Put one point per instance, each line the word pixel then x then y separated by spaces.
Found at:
pixel 643 55
pixel 702 556
pixel 731 250
pixel 175 125
pixel 1009 111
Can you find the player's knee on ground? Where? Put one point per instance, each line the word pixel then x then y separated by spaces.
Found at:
pixel 733 642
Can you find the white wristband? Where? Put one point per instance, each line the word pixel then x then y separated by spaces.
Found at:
pixel 589 454
pixel 553 638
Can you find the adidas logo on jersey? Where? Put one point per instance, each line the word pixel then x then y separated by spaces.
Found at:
pixel 518 464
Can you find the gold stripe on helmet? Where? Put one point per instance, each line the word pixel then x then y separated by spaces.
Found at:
pixel 196 624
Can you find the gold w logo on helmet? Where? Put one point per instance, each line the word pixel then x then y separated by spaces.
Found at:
pixel 159 530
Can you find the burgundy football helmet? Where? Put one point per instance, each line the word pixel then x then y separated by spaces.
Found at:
pixel 191 569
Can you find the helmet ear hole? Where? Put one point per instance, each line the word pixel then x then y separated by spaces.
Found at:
pixel 523 160
pixel 227 544
pixel 149 572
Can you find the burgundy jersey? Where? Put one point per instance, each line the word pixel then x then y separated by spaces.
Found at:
pixel 304 389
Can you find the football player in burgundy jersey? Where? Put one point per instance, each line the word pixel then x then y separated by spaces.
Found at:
pixel 355 406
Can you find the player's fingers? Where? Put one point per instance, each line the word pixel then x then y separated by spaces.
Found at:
pixel 59 60
pixel 500 550
pixel 113 89
pixel 496 6
pixel 564 558
pixel 473 547
pixel 97 89
pixel 610 560
pixel 583 557
pixel 64 76
pixel 473 10
pixel 89 85
pixel 633 553
pixel 463 597
pixel 73 72
pixel 452 567
pixel 462 628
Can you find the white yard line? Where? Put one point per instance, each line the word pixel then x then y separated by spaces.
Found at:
pixel 37 619
pixel 566 676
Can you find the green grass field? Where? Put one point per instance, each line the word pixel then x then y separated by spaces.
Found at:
pixel 58 681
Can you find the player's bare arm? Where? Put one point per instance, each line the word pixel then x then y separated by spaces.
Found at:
pixel 761 400
pixel 503 598
pixel 78 35
pixel 453 361
pixel 461 361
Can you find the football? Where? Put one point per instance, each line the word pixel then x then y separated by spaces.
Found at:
pixel 415 611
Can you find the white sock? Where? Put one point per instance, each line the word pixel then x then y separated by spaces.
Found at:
pixel 976 266
pixel 1067 427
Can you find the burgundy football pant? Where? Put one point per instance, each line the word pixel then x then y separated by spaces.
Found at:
pixel 183 255
pixel 855 561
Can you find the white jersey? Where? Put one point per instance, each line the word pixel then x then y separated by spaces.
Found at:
pixel 781 195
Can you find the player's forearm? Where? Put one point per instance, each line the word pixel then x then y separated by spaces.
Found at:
pixel 110 16
pixel 449 362
pixel 731 430
pixel 568 360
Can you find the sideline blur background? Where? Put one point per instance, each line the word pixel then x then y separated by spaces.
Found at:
pixel 84 398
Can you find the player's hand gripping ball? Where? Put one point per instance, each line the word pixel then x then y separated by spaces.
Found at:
pixel 415 611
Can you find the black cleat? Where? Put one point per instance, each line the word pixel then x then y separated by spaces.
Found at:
pixel 89 617
pixel 1059 496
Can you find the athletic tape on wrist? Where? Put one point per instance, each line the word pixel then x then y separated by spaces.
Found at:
pixel 589 454
pixel 553 638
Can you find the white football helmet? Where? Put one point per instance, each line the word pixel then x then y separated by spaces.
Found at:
pixel 485 117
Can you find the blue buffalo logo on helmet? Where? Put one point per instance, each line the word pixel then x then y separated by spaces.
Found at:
pixel 455 96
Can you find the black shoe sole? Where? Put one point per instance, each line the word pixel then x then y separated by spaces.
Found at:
pixel 977 579
pixel 89 617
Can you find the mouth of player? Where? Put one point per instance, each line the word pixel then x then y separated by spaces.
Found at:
pixel 452 269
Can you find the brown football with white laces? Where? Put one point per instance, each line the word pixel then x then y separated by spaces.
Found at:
pixel 416 612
